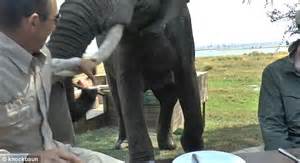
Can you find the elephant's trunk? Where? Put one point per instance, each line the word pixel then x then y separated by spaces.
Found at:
pixel 81 21
pixel 74 31
pixel 110 42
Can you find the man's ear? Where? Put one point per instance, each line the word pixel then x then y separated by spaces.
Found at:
pixel 33 21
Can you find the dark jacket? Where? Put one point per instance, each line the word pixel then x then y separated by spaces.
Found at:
pixel 279 105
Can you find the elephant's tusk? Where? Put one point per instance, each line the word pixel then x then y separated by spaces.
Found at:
pixel 109 44
pixel 105 50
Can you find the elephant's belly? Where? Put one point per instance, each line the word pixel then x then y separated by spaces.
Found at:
pixel 157 53
pixel 158 80
pixel 159 62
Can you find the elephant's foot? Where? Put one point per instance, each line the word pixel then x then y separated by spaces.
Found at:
pixel 166 142
pixel 140 159
pixel 191 144
pixel 121 144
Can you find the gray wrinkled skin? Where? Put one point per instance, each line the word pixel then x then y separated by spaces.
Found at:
pixel 162 62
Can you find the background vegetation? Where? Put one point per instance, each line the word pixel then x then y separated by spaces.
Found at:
pixel 231 110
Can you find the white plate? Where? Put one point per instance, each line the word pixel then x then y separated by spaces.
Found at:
pixel 209 157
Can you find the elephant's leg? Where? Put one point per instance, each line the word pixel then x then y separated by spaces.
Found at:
pixel 114 91
pixel 186 80
pixel 140 147
pixel 167 98
pixel 181 36
pixel 131 91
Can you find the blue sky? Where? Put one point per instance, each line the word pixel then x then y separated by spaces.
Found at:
pixel 230 21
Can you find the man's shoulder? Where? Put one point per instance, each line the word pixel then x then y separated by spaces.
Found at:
pixel 12 80
pixel 279 64
pixel 7 66
pixel 5 62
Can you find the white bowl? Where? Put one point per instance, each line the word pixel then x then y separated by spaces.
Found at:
pixel 209 157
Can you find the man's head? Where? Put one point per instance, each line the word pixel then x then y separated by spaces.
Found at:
pixel 28 22
pixel 293 48
pixel 297 20
pixel 294 53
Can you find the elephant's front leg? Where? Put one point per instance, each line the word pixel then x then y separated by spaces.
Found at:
pixel 114 92
pixel 130 88
pixel 186 80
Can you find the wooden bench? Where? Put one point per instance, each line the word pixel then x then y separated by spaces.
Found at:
pixel 109 117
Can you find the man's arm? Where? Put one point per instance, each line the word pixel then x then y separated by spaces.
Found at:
pixel 271 114
pixel 46 156
pixel 72 65
pixel 55 155
pixel 59 65
pixel 67 67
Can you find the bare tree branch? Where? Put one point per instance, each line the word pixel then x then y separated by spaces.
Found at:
pixel 267 2
pixel 287 14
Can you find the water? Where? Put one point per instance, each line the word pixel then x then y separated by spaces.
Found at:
pixel 211 53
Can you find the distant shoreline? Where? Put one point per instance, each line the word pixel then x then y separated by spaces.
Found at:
pixel 240 48
pixel 239 51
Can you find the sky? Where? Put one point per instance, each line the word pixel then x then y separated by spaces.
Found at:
pixel 231 21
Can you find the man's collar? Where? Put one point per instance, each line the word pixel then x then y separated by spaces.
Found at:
pixel 289 68
pixel 17 54
pixel 42 56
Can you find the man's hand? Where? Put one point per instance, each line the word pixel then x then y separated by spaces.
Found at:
pixel 56 156
pixel 89 68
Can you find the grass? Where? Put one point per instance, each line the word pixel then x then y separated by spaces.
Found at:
pixel 231 110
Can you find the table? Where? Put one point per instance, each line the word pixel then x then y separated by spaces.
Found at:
pixel 260 157
pixel 269 156
pixel 164 161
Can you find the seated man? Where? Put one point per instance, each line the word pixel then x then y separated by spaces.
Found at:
pixel 25 82
pixel 279 101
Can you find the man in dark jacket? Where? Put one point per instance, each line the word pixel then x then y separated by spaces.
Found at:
pixel 279 101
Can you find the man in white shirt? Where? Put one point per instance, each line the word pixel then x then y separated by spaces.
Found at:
pixel 25 83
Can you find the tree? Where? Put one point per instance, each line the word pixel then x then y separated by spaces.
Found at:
pixel 285 15
pixel 288 13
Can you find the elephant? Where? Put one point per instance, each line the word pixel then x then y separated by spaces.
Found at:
pixel 155 50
